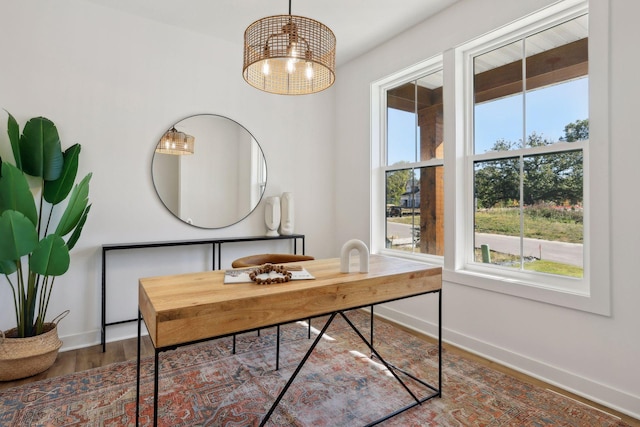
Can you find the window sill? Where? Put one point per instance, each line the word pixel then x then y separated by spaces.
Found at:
pixel 594 301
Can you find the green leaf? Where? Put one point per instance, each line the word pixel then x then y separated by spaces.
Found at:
pixel 75 208
pixel 14 137
pixel 15 194
pixel 58 190
pixel 19 236
pixel 40 149
pixel 8 267
pixel 76 231
pixel 51 257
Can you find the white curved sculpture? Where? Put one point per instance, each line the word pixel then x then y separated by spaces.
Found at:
pixel 286 214
pixel 345 254
pixel 272 215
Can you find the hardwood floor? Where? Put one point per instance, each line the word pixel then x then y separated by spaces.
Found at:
pixel 92 357
pixel 88 358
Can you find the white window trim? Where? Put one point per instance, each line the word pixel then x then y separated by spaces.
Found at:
pixel 379 155
pixel 595 296
pixel 593 293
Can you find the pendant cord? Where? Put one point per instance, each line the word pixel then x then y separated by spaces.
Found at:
pixel 289 7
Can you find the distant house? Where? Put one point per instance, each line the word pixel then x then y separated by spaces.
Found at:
pixel 411 198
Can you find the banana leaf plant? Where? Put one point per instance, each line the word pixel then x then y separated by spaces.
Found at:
pixel 35 239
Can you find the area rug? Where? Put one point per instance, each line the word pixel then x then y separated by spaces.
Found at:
pixel 340 385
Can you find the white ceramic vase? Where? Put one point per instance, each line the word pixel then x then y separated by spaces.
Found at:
pixel 286 212
pixel 272 215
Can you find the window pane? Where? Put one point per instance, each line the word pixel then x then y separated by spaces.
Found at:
pixel 401 197
pixel 401 137
pixel 430 117
pixel 498 125
pixel 553 211
pixel 544 231
pixel 498 100
pixel 557 83
pixel 415 210
pixel 497 213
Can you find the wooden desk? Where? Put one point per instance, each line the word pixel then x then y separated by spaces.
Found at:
pixel 187 308
pixel 216 248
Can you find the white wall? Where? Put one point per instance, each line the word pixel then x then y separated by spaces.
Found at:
pixel 595 356
pixel 114 83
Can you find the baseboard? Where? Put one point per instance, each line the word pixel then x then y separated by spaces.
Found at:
pixel 114 333
pixel 596 392
pixel 74 342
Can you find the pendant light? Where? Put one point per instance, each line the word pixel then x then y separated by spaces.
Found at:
pixel 289 55
pixel 176 142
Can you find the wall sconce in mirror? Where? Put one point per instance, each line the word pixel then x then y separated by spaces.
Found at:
pixel 176 143
pixel 221 183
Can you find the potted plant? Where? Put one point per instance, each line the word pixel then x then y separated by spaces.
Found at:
pixel 35 239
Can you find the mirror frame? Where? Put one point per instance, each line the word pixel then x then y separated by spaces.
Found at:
pixel 221 179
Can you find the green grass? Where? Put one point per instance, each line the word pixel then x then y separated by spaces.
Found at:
pixel 551 267
pixel 544 223
pixel 507 221
pixel 541 266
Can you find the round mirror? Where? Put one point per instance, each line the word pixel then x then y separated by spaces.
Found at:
pixel 209 171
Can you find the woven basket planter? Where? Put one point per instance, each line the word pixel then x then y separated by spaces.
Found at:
pixel 25 357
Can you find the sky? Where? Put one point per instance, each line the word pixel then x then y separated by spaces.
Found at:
pixel 548 111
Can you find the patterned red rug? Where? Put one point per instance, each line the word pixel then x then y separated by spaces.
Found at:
pixel 206 385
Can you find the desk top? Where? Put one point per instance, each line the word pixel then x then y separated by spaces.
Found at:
pixel 189 307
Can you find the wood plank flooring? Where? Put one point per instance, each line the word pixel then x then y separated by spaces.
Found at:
pixel 92 357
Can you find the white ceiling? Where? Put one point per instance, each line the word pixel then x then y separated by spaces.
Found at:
pixel 359 25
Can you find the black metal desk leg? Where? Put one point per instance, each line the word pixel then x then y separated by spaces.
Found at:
pixel 440 343
pixel 103 331
pixel 138 370
pixel 156 368
pixel 371 326
pixel 278 347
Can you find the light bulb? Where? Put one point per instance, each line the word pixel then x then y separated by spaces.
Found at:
pixel 309 70
pixel 265 67
pixel 291 65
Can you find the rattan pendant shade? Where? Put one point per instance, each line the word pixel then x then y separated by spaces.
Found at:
pixel 289 55
pixel 176 142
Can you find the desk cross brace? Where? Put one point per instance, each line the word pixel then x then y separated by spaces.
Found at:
pixel 391 368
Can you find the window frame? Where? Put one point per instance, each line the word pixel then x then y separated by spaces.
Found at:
pixel 379 156
pixel 594 294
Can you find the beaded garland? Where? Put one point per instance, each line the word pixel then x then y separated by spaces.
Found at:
pixel 268 268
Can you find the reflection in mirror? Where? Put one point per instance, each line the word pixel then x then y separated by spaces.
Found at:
pixel 221 183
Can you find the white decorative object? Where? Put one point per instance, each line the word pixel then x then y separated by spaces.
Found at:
pixel 286 211
pixel 345 255
pixel 272 215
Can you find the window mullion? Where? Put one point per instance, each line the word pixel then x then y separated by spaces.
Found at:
pixel 524 146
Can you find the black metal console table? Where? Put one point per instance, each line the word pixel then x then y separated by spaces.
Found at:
pixel 214 242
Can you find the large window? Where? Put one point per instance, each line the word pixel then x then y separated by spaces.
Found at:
pixel 530 131
pixel 492 158
pixel 414 180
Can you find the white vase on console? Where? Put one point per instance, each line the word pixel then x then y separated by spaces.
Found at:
pixel 286 213
pixel 272 215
